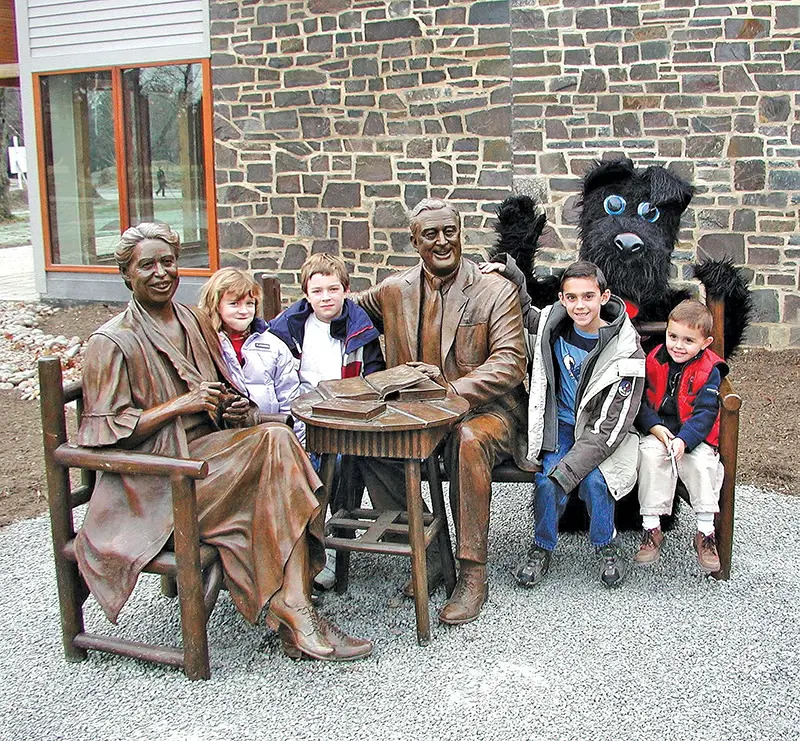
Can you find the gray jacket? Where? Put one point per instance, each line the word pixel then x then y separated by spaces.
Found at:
pixel 607 400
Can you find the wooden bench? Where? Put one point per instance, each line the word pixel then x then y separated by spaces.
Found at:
pixel 730 403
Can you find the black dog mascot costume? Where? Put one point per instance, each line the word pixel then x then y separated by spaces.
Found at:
pixel 628 225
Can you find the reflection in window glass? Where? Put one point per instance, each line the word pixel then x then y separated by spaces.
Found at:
pixel 164 153
pixel 80 167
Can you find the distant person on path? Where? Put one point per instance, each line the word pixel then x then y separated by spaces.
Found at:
pixel 161 177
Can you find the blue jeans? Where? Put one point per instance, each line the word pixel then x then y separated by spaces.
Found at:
pixel 550 500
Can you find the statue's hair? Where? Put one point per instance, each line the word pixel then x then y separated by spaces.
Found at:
pixel 432 204
pixel 228 280
pixel 131 237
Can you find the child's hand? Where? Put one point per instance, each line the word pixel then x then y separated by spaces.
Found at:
pixel 491 267
pixel 662 433
pixel 678 447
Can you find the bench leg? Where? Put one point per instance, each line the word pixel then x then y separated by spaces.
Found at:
pixel 416 538
pixel 190 580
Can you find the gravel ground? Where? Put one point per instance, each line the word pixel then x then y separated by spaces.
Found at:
pixel 671 655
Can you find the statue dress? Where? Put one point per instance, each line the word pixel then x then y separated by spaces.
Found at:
pixel 261 494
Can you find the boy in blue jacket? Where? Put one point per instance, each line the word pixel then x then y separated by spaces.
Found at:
pixel 331 337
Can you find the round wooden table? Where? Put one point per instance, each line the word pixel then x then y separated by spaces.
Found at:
pixel 411 431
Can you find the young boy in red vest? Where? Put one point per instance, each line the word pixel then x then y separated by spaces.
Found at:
pixel 679 419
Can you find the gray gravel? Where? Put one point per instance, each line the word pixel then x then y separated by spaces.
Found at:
pixel 671 655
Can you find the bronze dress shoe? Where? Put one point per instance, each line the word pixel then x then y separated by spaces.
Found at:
pixel 345 647
pixel 301 631
pixel 467 599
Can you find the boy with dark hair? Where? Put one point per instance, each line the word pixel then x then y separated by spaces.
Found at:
pixel 586 382
pixel 679 420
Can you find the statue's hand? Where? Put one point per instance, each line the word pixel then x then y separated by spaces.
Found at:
pixel 236 413
pixel 203 398
pixel 431 371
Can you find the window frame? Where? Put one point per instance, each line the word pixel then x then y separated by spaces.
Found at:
pixel 122 163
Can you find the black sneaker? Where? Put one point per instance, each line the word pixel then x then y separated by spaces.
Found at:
pixel 533 569
pixel 614 567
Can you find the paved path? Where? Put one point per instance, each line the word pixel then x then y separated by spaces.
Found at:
pixel 16 274
pixel 671 655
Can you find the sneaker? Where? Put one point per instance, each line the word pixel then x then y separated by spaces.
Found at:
pixel 706 547
pixel 650 547
pixel 327 577
pixel 614 567
pixel 534 568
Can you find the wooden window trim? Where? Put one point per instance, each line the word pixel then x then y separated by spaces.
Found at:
pixel 122 163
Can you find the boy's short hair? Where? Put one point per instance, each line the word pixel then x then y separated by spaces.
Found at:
pixel 238 282
pixel 324 263
pixel 693 314
pixel 584 269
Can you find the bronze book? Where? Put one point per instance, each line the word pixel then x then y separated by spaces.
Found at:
pixel 348 409
pixel 387 384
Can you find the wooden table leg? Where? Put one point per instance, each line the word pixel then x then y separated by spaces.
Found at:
pixel 416 538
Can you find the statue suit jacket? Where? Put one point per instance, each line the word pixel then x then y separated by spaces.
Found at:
pixel 483 346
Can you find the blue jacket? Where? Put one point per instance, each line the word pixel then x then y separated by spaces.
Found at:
pixel 362 350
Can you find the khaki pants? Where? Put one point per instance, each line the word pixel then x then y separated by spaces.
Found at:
pixel 700 470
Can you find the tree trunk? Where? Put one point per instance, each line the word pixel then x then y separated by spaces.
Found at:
pixel 5 207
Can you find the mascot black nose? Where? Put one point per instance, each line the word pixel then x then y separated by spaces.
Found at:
pixel 628 242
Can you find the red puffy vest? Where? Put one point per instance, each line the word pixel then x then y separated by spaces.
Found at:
pixel 694 377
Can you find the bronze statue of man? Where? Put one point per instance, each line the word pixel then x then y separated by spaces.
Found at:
pixel 465 329
pixel 154 381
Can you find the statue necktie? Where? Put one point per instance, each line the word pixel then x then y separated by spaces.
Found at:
pixel 431 325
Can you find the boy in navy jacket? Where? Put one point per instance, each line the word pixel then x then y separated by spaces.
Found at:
pixel 679 419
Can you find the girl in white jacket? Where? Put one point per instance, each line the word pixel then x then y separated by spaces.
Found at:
pixel 261 364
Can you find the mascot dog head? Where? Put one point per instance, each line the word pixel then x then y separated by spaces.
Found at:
pixel 629 224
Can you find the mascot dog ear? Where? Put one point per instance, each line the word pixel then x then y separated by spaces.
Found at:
pixel 666 189
pixel 605 173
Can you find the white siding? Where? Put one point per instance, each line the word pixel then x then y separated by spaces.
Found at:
pixel 64 34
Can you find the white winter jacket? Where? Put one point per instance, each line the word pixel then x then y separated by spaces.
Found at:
pixel 269 374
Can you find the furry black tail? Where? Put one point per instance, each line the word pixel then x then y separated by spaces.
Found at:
pixel 722 279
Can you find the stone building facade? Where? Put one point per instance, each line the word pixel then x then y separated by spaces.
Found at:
pixel 332 117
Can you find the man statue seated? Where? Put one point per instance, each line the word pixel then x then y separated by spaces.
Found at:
pixel 154 381
pixel 464 329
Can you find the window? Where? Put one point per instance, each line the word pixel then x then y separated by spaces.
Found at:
pixel 122 146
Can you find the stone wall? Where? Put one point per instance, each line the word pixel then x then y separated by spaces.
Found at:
pixel 333 116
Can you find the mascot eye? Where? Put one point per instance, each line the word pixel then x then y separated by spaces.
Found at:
pixel 648 212
pixel 614 205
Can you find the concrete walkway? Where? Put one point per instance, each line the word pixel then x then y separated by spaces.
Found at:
pixel 16 274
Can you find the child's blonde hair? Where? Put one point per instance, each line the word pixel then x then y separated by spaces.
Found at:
pixel 694 315
pixel 238 282
pixel 324 263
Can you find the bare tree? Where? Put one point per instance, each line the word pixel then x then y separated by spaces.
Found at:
pixel 5 206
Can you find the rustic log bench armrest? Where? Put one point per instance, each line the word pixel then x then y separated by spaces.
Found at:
pixel 129 462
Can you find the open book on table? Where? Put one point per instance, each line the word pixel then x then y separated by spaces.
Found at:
pixel 401 383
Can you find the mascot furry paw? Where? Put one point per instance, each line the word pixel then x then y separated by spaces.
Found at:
pixel 628 225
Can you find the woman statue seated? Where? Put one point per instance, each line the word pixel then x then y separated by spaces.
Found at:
pixel 154 381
